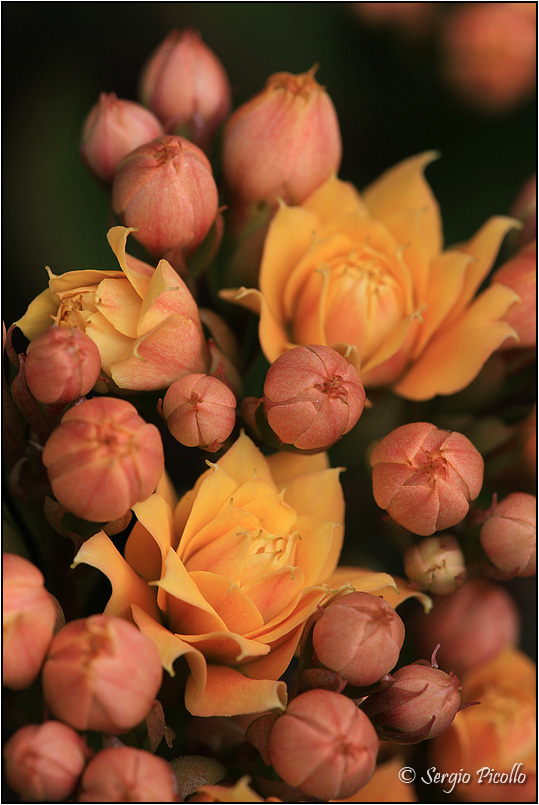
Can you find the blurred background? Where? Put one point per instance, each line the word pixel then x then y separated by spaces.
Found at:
pixel 386 71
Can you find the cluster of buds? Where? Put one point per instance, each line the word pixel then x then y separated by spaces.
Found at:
pixel 425 477
pixel 312 397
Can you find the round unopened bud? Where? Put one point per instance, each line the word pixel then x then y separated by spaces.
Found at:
pixel 436 564
pixel 43 762
pixel 472 626
pixel 425 478
pixel 28 617
pixel 103 458
pixel 283 143
pixel 124 774
pixel 166 191
pixel 520 274
pixel 200 411
pixel 420 704
pixel 359 636
pixel 186 86
pixel 509 536
pixel 111 130
pixel 324 745
pixel 312 397
pixel 61 365
pixel 102 674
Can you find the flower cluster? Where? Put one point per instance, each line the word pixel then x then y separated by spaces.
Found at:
pixel 170 612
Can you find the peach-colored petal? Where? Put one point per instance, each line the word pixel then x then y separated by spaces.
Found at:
pixel 234 605
pixel 150 539
pixel 170 647
pixel 127 588
pixel 215 491
pixel 286 465
pixel 273 592
pixel 454 357
pixel 274 515
pixel 119 303
pixel 404 187
pixel 392 589
pixel 142 553
pixel 482 248
pixel 166 489
pixel 138 273
pixel 228 648
pixel 228 693
pixel 271 332
pixel 239 792
pixel 292 616
pixel 166 295
pixel 316 553
pixel 333 199
pixel 392 345
pixel 111 344
pixel 244 461
pixel 224 554
pixel 407 227
pixel 85 279
pixel 38 315
pixel 274 664
pixel 184 596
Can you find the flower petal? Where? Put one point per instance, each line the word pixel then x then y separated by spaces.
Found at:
pixel 119 303
pixel 275 591
pixel 138 273
pixel 333 199
pixel 286 465
pixel 233 605
pixel 271 332
pixel 229 693
pixel 112 345
pixel 167 294
pixel 316 554
pixel 244 461
pixel 38 316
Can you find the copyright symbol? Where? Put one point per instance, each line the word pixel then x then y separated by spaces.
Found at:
pixel 406 774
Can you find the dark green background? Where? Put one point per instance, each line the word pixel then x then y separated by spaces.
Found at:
pixel 390 100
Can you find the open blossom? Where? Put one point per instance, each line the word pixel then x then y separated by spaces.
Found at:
pixel 324 745
pixel 312 397
pixel 498 734
pixel 186 86
pixel 103 458
pixel 144 321
pixel 234 573
pixel 368 273
pixel 425 477
pixel 28 618
pixel 101 674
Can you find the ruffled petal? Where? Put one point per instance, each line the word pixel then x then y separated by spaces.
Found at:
pixel 245 461
pixel 166 295
pixel 455 356
pixel 38 316
pixel 112 345
pixel 138 273
pixel 333 199
pixel 234 605
pixel 271 330
pixel 230 693
pixel 274 664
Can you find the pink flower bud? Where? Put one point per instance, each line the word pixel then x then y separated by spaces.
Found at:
pixel 111 130
pixel 420 704
pixel 509 536
pixel 124 774
pixel 436 564
pixel 28 619
pixel 520 274
pixel 312 397
pixel 425 477
pixel 165 189
pixel 200 411
pixel 101 674
pixel 472 626
pixel 103 458
pixel 43 762
pixel 359 636
pixel 186 86
pixel 61 365
pixel 283 143
pixel 324 745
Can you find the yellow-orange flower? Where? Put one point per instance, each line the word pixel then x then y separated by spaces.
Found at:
pixel 499 735
pixel 367 275
pixel 144 321
pixel 244 560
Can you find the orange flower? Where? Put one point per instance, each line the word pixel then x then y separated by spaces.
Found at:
pixel 144 321
pixel 498 736
pixel 242 563
pixel 366 274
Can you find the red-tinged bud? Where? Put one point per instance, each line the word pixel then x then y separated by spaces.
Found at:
pixel 472 626
pixel 43 762
pixel 29 617
pixel 61 365
pixel 425 478
pixel 312 397
pixel 103 458
pixel 124 774
pixel 111 130
pixel 520 274
pixel 283 143
pixel 200 411
pixel 186 86
pixel 166 190
pixel 101 674
pixel 436 564
pixel 359 636
pixel 509 536
pixel 489 50
pixel 324 745
pixel 525 209
pixel 420 704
